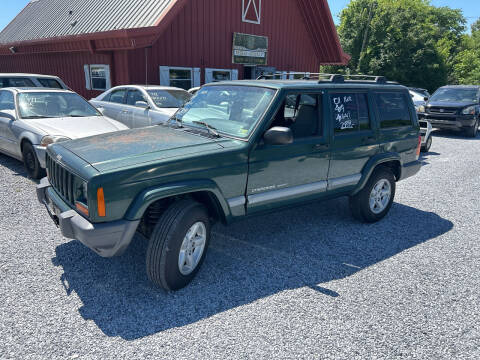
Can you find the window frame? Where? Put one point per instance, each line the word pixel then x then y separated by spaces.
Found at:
pixel 377 109
pixel 170 68
pixel 322 126
pixel 230 71
pixel 89 78
pixel 117 90
pixel 258 11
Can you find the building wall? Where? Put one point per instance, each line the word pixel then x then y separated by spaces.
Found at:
pixel 68 66
pixel 202 36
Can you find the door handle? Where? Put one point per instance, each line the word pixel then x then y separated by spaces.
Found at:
pixel 321 147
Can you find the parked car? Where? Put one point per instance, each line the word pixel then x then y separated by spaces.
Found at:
pixel 426 133
pixel 420 91
pixel 418 99
pixel 33 118
pixel 454 107
pixel 274 144
pixel 31 80
pixel 194 90
pixel 140 106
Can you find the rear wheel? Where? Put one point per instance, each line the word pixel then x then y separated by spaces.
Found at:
pixel 428 144
pixel 374 201
pixel 31 162
pixel 178 245
pixel 472 131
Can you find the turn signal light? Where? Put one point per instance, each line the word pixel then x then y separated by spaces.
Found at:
pixel 81 208
pixel 101 203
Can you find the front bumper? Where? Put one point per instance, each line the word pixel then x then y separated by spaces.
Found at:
pixel 410 169
pixel 41 154
pixel 449 121
pixel 106 239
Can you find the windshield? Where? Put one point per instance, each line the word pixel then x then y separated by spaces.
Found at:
pixel 233 110
pixel 169 98
pixel 37 105
pixel 455 95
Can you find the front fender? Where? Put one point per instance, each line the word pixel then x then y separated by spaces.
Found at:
pixel 151 195
pixel 372 164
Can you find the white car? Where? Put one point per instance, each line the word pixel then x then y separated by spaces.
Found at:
pixel 140 106
pixel 426 133
pixel 418 99
pixel 33 118
pixel 20 80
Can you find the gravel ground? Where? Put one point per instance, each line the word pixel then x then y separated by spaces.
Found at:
pixel 303 283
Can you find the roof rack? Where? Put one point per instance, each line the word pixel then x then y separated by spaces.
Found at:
pixel 270 76
pixel 335 78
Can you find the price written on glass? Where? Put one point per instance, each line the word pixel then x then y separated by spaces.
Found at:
pixel 342 115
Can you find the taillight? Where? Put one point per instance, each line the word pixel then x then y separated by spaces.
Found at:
pixel 419 146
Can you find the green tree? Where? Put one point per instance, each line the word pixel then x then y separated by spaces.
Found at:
pixel 409 41
pixel 467 62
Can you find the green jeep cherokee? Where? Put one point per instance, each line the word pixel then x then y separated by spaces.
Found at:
pixel 237 149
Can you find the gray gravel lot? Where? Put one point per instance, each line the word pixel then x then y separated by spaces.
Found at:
pixel 309 282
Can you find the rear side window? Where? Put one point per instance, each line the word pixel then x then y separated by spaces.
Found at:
pixel 350 112
pixel 393 110
pixel 118 96
pixel 50 83
pixel 17 82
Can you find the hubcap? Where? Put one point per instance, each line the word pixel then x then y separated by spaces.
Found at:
pixel 192 248
pixel 380 196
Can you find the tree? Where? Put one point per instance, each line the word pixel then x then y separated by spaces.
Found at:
pixel 409 41
pixel 467 62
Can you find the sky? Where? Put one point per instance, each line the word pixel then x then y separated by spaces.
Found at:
pixel 471 9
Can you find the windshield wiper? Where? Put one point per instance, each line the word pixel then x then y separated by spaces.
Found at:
pixel 209 127
pixel 37 117
pixel 177 120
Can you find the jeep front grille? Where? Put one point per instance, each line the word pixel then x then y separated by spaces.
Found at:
pixel 61 180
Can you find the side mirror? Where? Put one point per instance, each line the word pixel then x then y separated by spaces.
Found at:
pixel 278 136
pixel 425 98
pixel 8 114
pixel 142 104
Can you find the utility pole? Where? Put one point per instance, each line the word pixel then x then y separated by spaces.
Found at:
pixel 365 35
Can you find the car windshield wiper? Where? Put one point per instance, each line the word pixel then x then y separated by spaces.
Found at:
pixel 177 120
pixel 37 117
pixel 209 127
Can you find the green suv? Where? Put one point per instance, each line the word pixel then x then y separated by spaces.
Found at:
pixel 237 149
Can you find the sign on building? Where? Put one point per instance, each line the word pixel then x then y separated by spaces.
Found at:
pixel 250 49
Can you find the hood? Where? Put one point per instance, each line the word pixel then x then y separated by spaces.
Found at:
pixel 76 127
pixel 448 104
pixel 137 146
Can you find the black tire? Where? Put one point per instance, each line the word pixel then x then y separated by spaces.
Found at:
pixel 428 144
pixel 166 240
pixel 472 131
pixel 360 203
pixel 31 163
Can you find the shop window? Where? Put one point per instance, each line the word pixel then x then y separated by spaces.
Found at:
pixel 180 77
pixel 215 75
pixel 97 77
pixel 251 11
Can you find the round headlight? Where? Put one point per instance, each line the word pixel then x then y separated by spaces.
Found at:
pixel 52 139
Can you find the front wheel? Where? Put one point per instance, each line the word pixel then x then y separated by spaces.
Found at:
pixel 30 160
pixel 178 245
pixel 374 201
pixel 472 131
